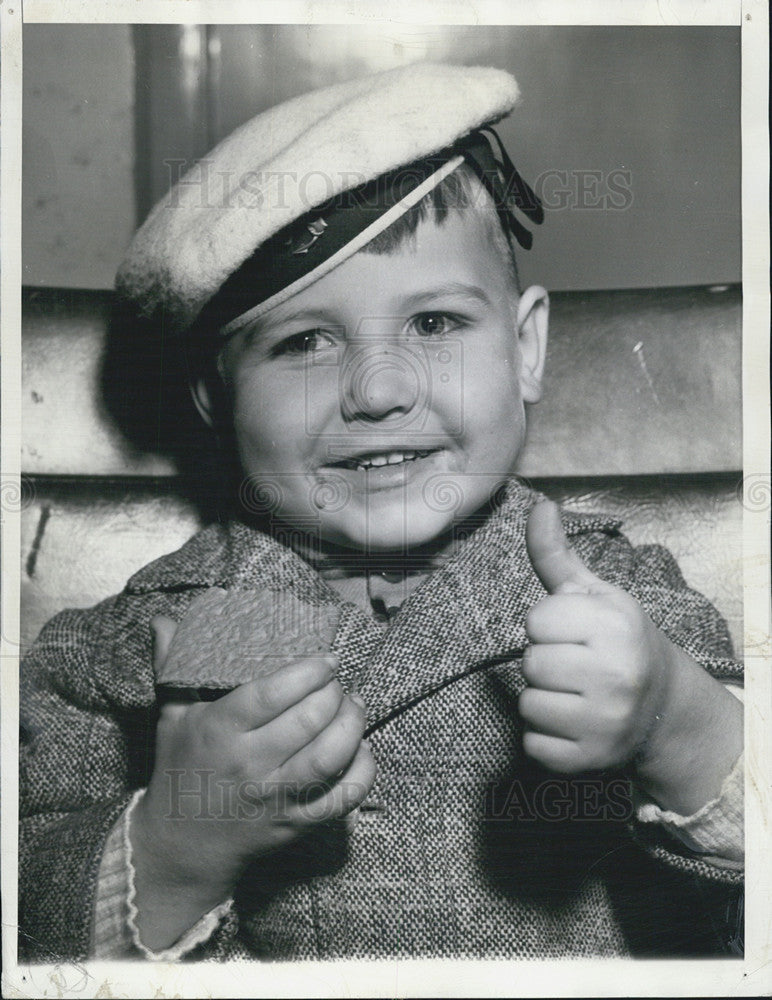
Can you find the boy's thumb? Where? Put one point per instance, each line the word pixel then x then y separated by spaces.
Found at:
pixel 163 630
pixel 559 568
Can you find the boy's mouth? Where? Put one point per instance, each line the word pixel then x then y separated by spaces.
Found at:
pixel 377 460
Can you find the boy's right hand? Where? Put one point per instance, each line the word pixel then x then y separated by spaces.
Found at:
pixel 239 777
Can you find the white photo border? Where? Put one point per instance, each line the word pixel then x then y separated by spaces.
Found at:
pixel 731 977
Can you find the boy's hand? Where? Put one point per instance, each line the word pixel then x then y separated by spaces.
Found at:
pixel 606 685
pixel 241 776
pixel 597 667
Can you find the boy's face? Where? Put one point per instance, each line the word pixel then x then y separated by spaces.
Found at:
pixel 384 403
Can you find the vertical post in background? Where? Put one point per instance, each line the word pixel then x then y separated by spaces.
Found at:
pixel 177 72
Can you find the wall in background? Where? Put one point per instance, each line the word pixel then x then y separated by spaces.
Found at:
pixel 78 190
pixel 632 135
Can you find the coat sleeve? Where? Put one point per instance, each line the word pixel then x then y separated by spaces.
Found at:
pixel 88 718
pixel 651 575
pixel 73 784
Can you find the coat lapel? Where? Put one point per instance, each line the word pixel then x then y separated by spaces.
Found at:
pixel 468 613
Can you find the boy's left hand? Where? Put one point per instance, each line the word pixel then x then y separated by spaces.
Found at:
pixel 606 685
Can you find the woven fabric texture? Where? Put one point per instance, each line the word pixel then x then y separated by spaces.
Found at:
pixel 447 859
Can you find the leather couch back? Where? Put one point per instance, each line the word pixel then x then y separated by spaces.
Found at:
pixel 641 418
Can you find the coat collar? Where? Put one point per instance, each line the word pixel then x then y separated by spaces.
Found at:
pixel 468 612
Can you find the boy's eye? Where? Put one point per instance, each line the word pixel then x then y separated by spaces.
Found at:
pixel 434 324
pixel 303 343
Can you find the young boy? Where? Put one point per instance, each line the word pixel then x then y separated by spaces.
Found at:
pixel 452 776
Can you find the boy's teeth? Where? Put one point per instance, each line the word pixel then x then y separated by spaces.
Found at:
pixel 390 458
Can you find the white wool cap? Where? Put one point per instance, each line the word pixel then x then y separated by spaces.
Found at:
pixel 289 159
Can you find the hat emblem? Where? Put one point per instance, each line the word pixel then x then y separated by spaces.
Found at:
pixel 304 242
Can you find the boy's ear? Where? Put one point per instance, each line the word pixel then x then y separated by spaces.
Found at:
pixel 202 400
pixel 533 310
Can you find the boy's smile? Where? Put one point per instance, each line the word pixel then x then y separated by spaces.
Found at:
pixel 384 402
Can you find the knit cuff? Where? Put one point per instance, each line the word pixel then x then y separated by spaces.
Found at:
pixel 116 934
pixel 110 937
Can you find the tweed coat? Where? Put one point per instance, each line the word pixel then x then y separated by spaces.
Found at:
pixel 463 848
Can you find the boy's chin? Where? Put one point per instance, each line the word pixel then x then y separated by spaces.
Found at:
pixel 405 530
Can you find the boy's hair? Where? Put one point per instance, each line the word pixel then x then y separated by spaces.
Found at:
pixel 460 191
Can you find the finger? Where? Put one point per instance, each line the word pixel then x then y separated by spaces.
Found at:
pixel 563 618
pixel 557 666
pixel 272 745
pixel 330 753
pixel 553 752
pixel 163 630
pixel 555 563
pixel 553 713
pixel 264 699
pixel 346 794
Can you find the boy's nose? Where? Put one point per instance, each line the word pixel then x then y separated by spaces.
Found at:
pixel 382 381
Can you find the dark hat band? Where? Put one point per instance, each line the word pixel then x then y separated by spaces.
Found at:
pixel 301 252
